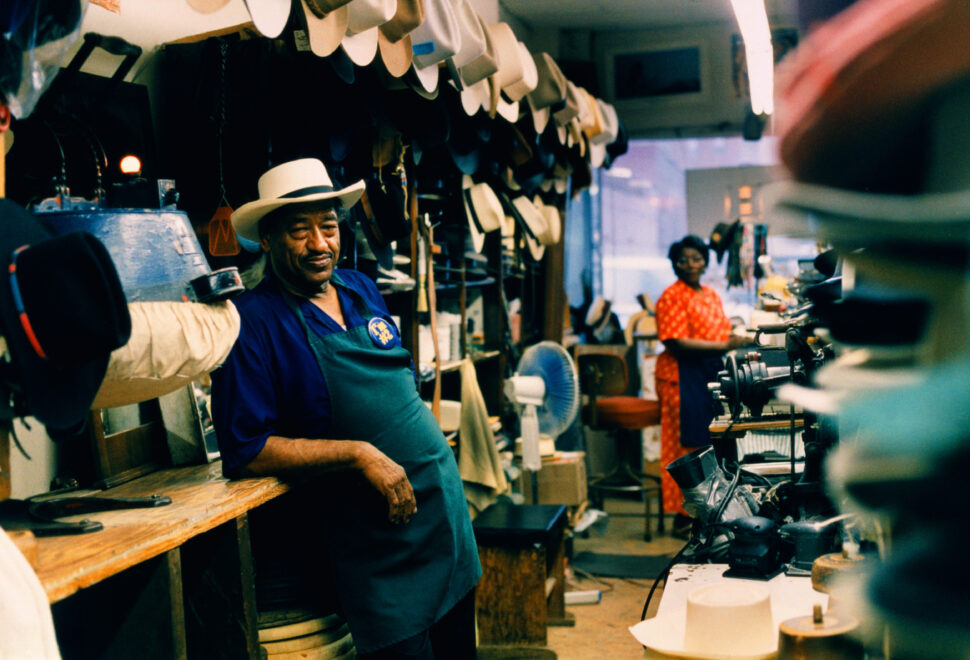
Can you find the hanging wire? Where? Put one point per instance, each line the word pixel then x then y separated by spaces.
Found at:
pixel 221 117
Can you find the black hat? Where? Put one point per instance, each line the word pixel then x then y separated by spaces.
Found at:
pixel 62 312
pixel 723 237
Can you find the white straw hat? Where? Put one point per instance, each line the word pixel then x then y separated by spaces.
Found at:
pixel 482 209
pixel 295 182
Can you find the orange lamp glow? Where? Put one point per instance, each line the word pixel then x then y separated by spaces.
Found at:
pixel 130 165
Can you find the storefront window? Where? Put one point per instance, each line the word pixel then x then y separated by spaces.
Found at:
pixel 620 229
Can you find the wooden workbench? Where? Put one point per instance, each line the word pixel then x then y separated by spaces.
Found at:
pixel 173 581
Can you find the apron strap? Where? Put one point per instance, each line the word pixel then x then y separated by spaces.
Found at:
pixel 315 341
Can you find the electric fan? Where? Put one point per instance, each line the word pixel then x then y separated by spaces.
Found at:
pixel 545 388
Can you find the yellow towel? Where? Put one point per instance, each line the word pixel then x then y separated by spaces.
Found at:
pixel 478 460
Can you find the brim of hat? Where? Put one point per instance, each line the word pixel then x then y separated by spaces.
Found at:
pixel 553 231
pixel 396 56
pixel 325 33
pixel 427 77
pixel 536 249
pixel 207 6
pixel 540 119
pixel 478 238
pixel 846 215
pixel 534 221
pixel 666 633
pixel 269 16
pixel 245 219
pixel 474 97
pixel 597 154
pixel 361 48
pixel 508 111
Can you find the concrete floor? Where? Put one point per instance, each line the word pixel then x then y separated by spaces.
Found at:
pixel 601 628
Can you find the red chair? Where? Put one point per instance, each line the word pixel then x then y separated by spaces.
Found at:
pixel 604 380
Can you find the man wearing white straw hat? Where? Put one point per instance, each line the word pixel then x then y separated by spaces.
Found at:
pixel 318 385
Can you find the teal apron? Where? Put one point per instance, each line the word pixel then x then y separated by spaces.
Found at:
pixel 393 580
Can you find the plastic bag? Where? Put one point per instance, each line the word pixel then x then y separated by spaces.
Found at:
pixel 35 37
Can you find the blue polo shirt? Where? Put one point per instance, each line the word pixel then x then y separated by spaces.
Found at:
pixel 270 383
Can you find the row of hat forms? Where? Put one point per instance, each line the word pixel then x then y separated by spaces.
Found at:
pixel 412 42
pixel 872 108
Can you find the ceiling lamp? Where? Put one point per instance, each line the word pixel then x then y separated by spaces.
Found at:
pixel 753 23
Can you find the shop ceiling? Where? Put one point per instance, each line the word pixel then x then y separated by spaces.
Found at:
pixel 600 15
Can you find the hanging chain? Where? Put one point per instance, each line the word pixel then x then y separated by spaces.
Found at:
pixel 223 53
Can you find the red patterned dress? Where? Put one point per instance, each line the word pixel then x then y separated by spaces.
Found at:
pixel 682 313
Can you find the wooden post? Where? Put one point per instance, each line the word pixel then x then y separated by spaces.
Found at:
pixel 4 465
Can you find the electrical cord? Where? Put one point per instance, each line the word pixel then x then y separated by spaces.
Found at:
pixel 663 576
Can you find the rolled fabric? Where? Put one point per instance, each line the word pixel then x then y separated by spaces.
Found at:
pixel 172 344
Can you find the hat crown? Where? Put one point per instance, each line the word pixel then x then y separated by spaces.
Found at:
pixel 507 51
pixel 439 37
pixel 485 64
pixel 292 177
pixel 472 36
pixel 409 15
pixel 367 14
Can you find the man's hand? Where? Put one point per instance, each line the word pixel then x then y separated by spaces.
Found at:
pixel 390 481
pixel 738 341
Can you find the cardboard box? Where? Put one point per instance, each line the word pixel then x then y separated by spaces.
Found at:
pixel 562 480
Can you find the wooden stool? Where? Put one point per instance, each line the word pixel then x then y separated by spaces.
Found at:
pixel 522 589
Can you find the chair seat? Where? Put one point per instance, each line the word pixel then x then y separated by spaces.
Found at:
pixel 627 412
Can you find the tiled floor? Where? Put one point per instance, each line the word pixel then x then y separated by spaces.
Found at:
pixel 601 629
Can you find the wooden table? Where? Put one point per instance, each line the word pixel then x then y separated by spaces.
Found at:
pixel 167 582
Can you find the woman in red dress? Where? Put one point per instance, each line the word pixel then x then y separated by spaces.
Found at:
pixel 693 328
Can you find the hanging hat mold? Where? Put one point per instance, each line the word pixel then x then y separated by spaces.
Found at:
pixel 363 20
pixel 326 24
pixel 394 37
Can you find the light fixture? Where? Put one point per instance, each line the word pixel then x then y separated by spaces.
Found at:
pixel 753 23
pixel 130 164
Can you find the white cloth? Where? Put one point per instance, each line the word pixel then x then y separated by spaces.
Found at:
pixel 172 344
pixel 478 461
pixel 26 625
